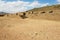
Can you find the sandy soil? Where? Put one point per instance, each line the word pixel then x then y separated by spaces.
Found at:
pixel 29 29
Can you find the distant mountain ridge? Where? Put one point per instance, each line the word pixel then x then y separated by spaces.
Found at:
pixel 1 13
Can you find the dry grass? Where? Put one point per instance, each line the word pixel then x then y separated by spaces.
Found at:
pixel 29 29
pixel 48 13
pixel 41 24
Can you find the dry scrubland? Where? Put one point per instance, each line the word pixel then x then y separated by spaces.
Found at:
pixel 35 24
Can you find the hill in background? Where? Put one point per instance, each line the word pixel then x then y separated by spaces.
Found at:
pixel 47 12
pixel 35 24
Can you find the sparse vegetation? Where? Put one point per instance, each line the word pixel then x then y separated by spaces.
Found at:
pixel 16 13
pixel 2 15
pixel 50 11
pixel 23 16
pixel 37 26
pixel 42 12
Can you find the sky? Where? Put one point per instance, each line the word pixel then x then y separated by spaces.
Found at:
pixel 13 6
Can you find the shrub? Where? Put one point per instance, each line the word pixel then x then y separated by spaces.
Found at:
pixel 50 11
pixel 42 12
pixel 23 16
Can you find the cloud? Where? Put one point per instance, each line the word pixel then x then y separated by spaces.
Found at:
pixel 58 1
pixel 19 6
pixel 37 4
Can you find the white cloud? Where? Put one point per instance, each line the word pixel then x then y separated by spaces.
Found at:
pixel 19 6
pixel 37 4
pixel 58 1
pixel 34 4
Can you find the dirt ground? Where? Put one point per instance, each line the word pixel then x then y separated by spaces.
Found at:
pixel 29 29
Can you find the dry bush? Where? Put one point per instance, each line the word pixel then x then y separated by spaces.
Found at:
pixel 23 16
pixel 16 13
pixel 43 12
pixel 50 11
pixel 2 15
